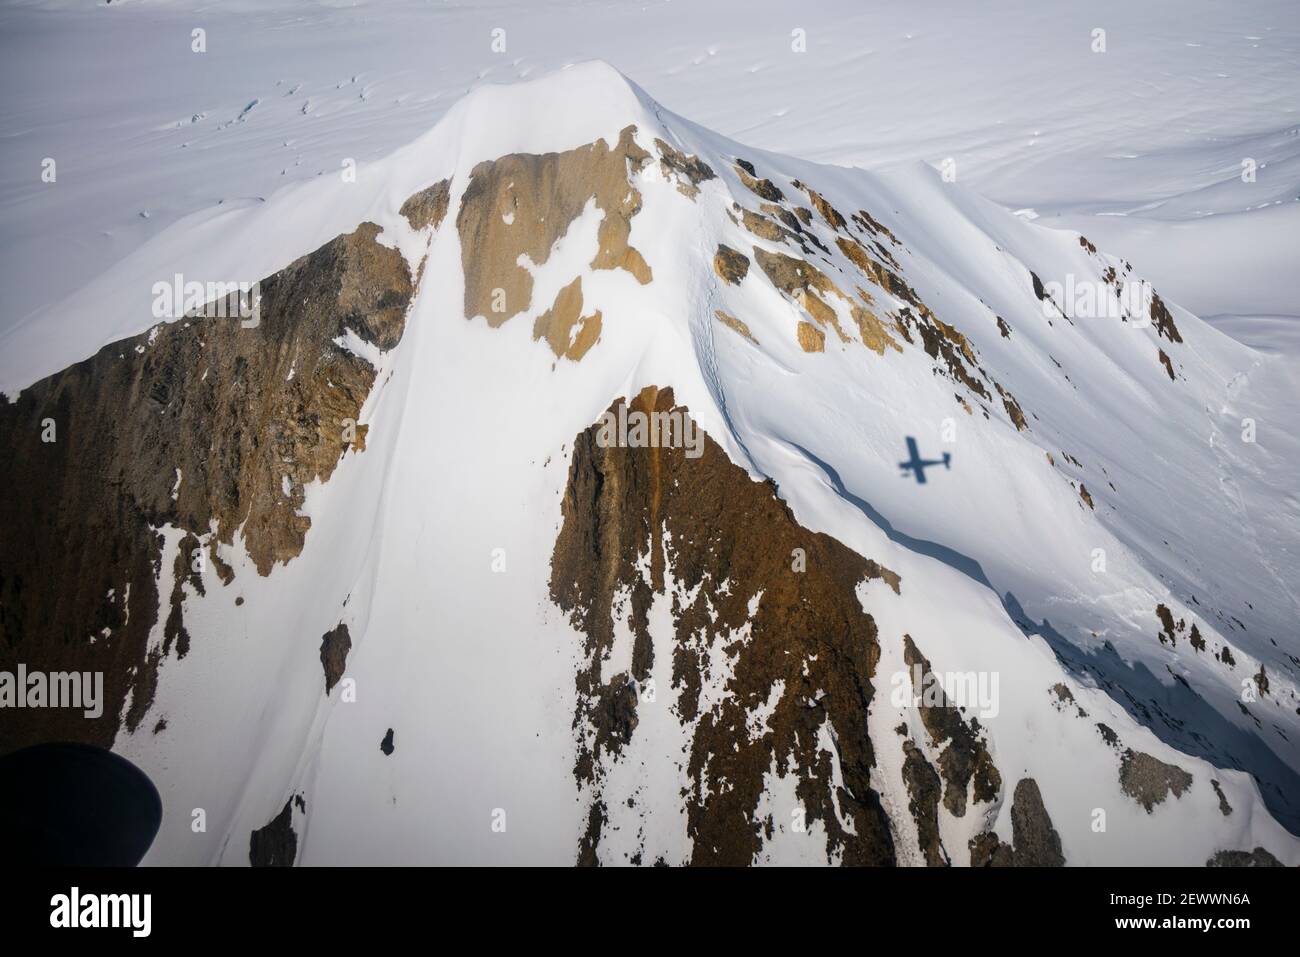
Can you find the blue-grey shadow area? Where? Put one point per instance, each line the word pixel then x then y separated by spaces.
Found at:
pixel 1174 713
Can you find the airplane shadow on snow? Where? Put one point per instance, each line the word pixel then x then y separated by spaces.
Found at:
pixel 1174 713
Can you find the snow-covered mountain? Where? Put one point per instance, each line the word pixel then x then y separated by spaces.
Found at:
pixel 370 581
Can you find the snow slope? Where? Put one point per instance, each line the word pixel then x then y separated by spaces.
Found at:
pixel 226 164
pixel 471 429
pixel 1154 128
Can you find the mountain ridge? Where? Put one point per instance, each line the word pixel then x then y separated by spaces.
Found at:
pixel 864 317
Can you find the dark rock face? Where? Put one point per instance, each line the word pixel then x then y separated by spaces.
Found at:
pixel 386 745
pixel 1034 839
pixel 1149 781
pixel 1163 321
pixel 965 756
pixel 1224 807
pixel 209 425
pixel 706 522
pixel 334 648
pixel 275 845
pixel 1259 857
pixel 987 851
pixel 1168 364
pixel 924 789
pixel 1168 628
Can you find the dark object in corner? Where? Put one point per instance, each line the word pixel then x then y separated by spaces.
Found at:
pixel 75 805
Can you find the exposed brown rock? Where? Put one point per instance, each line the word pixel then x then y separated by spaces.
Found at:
pixel 860 257
pixel 810 287
pixel 731 322
pixel 828 212
pixel 939 339
pixel 428 207
pixel 705 521
pixel 1168 364
pixel 1259 857
pixel 872 331
pixel 868 222
pixel 802 282
pixel 688 170
pixel 569 333
pixel 213 398
pixel 1224 807
pixel 986 850
pixel 590 840
pixel 766 228
pixel 1014 412
pixel 1065 699
pixel 811 339
pixel 1034 839
pixel 1167 625
pixel 796 225
pixel 924 789
pixel 732 266
pixel 334 647
pixel 520 204
pixel 939 345
pixel 889 577
pixel 777 224
pixel 763 188
pixel 189 557
pixel 1083 494
pixel 1163 321
pixel 1261 681
pixel 966 756
pixel 1149 781
pixel 1035 842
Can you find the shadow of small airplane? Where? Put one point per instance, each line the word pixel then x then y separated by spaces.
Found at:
pixel 918 465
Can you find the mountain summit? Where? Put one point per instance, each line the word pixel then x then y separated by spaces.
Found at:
pixel 549 509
